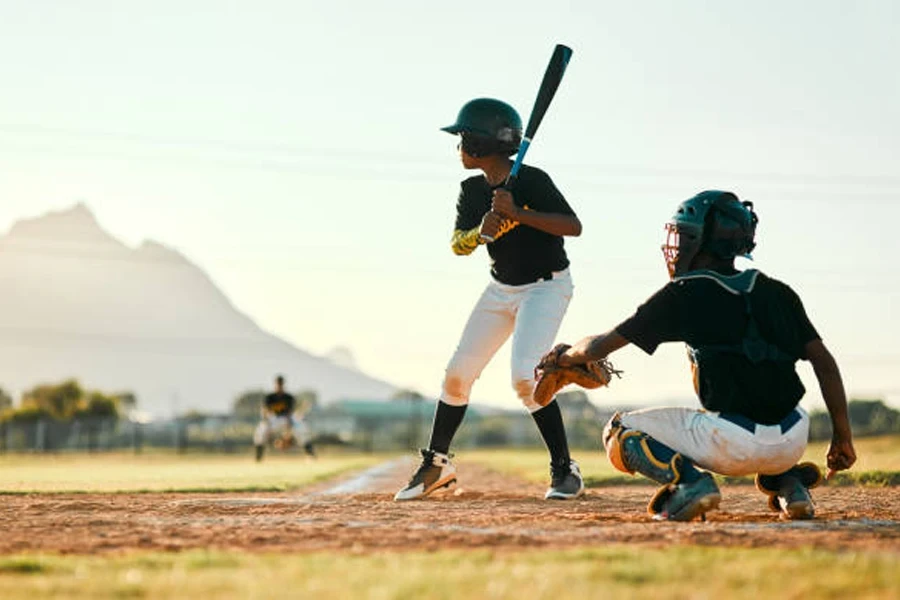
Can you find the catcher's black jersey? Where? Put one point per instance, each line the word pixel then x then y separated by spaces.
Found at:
pixel 702 312
pixel 280 404
pixel 521 254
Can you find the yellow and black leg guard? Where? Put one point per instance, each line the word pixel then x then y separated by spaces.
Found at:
pixel 788 492
pixel 685 494
pixel 629 451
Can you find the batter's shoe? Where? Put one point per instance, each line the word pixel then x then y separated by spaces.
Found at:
pixel 789 492
pixel 685 501
pixel 435 472
pixel 565 482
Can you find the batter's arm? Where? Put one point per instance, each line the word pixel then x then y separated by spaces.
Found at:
pixel 552 223
pixel 464 243
pixel 841 454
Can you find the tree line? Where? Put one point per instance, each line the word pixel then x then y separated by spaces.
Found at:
pixel 69 401
pixel 868 417
pixel 65 401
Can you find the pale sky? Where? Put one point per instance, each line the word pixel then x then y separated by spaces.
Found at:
pixel 292 150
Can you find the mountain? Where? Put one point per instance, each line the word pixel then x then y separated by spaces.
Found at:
pixel 76 302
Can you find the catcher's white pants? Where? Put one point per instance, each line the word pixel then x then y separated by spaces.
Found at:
pixel 275 425
pixel 721 446
pixel 531 313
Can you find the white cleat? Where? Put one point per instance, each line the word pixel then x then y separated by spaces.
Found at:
pixel 435 472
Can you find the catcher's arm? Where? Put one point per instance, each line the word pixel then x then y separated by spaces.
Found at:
pixel 841 454
pixel 591 348
pixel 556 370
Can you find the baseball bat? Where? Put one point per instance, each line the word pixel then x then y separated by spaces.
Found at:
pixel 553 75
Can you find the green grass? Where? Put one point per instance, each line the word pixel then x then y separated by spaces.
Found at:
pixel 75 473
pixel 878 463
pixel 608 572
pixel 872 454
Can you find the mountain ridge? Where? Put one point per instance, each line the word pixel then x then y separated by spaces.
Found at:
pixel 77 302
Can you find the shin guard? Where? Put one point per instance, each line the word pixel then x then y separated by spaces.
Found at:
pixel 630 451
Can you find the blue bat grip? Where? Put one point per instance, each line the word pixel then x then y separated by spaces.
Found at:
pixel 523 148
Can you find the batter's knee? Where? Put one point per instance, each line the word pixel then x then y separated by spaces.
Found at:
pixel 459 378
pixel 455 390
pixel 524 389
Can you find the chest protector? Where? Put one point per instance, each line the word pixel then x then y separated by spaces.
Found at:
pixel 752 377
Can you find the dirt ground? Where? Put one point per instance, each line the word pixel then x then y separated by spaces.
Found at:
pixel 486 511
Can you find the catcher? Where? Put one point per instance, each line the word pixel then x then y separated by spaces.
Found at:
pixel 744 333
pixel 277 419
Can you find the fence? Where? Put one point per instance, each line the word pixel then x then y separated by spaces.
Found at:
pixel 228 434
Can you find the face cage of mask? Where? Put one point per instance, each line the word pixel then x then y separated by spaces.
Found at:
pixel 670 248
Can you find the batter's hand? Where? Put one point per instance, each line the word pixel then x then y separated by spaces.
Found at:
pixel 490 225
pixel 503 205
pixel 841 456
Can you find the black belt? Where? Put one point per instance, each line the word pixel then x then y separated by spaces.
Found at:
pixel 548 276
pixel 750 425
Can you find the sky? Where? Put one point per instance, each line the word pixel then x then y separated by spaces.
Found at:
pixel 292 150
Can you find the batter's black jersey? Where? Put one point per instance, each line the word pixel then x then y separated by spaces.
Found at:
pixel 281 405
pixel 522 254
pixel 704 312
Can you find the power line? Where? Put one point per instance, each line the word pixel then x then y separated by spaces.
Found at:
pixel 293 157
pixel 290 255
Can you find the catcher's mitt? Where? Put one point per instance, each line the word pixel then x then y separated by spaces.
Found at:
pixel 285 440
pixel 550 377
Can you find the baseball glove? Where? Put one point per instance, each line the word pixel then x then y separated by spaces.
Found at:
pixel 285 441
pixel 550 378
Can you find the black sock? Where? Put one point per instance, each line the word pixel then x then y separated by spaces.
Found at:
pixel 446 421
pixel 550 424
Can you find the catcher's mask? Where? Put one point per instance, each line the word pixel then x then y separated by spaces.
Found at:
pixel 487 127
pixel 713 222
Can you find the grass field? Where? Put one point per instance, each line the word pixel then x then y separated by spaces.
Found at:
pixel 22 473
pixel 878 463
pixel 659 569
pixel 625 572
pixel 169 472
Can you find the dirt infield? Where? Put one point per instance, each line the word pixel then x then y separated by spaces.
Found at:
pixel 487 510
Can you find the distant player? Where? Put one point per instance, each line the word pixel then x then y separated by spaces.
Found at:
pixel 744 332
pixel 278 421
pixel 526 298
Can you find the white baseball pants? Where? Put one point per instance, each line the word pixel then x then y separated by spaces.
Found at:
pixel 531 313
pixel 721 446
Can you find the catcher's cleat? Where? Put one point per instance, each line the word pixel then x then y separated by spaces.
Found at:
pixel 435 472
pixel 789 492
pixel 565 482
pixel 685 501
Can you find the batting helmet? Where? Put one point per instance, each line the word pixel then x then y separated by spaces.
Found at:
pixel 713 222
pixel 488 126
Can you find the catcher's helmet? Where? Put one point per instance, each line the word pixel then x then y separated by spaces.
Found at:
pixel 488 126
pixel 713 222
